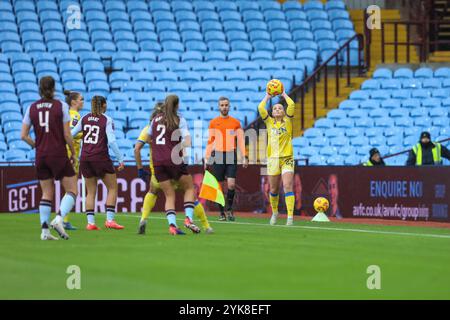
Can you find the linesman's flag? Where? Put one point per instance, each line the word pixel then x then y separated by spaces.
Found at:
pixel 211 189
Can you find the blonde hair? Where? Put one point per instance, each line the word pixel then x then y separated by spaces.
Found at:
pixel 98 105
pixel 156 110
pixel 170 111
pixel 71 96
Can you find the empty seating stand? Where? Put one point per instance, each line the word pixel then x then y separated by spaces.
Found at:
pixel 388 112
pixel 199 50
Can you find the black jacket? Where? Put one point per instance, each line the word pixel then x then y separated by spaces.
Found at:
pixel 427 155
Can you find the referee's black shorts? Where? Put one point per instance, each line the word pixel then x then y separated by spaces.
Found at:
pixel 224 165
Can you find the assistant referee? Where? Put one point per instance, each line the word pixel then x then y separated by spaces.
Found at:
pixel 225 135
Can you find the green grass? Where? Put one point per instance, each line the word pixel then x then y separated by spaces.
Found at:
pixel 243 260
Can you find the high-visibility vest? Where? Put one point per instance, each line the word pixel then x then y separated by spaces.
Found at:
pixel 368 163
pixel 417 149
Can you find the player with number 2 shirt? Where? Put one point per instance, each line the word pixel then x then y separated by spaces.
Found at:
pixel 168 136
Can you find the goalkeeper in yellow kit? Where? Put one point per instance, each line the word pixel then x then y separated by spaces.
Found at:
pixel 152 194
pixel 280 156
pixel 75 102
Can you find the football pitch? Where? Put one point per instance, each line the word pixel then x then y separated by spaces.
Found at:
pixel 246 259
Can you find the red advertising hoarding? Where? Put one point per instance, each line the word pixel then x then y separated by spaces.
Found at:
pixel 399 193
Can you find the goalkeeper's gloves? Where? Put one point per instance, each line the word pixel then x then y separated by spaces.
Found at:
pixel 143 174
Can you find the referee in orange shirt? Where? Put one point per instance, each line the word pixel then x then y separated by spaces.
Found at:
pixel 225 132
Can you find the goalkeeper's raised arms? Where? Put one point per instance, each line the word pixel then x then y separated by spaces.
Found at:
pixel 290 110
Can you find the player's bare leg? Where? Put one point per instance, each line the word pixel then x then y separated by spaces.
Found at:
pixel 110 180
pixel 67 203
pixel 91 191
pixel 169 193
pixel 187 185
pixel 231 184
pixel 288 187
pixel 274 182
pixel 45 208
pixel 66 223
pixel 199 212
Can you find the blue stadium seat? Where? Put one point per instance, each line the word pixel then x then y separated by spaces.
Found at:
pixel 15 155
pixel 316 15
pixel 443 72
pixel 244 5
pixel 420 94
pixel 143 22
pixel 382 73
pixel 324 123
pixel 295 15
pixel 431 103
pixel 313 133
pixel 349 105
pixel 380 95
pixel 403 73
pixel 277 25
pixel 438 112
pixel 312 5
pixel 431 84
pixel 321 25
pixel 20 145
pixel 191 35
pixel 345 123
pixel 359 95
pixel 423 73
pixel 339 141
pixel 370 84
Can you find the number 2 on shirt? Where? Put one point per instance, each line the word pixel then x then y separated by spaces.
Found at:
pixel 160 138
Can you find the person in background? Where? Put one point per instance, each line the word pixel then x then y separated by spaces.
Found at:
pixel 427 153
pixel 375 159
pixel 226 136
pixel 51 122
pixel 333 191
pixel 75 101
pixel 154 186
pixel 298 193
pixel 98 136
pixel 168 136
pixel 280 156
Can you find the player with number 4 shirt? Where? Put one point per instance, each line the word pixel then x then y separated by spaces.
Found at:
pixel 51 122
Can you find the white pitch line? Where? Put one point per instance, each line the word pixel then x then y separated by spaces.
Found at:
pixel 429 235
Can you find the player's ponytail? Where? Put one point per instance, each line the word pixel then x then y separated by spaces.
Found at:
pixel 170 111
pixel 47 87
pixel 98 106
pixel 71 96
pixel 157 109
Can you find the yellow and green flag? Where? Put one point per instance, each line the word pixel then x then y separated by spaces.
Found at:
pixel 211 190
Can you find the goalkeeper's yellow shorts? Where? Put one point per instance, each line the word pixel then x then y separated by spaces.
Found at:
pixel 156 186
pixel 277 166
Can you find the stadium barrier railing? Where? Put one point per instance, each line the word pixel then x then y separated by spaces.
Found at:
pixel 335 61
pixel 421 31
pixel 311 81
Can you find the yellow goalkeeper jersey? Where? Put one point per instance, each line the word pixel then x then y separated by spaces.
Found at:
pixel 74 118
pixel 279 133
pixel 143 139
